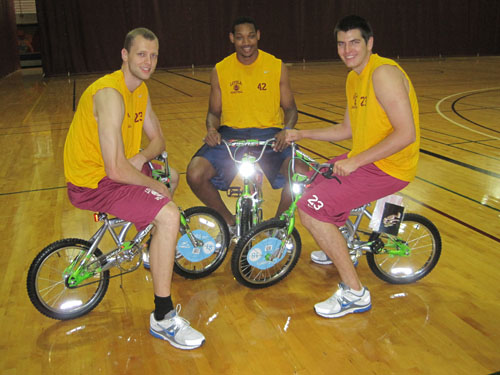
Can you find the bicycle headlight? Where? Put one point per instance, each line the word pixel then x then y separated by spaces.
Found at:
pixel 297 188
pixel 247 169
pixel 298 183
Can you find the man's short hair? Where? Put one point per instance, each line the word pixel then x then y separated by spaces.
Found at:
pixel 132 34
pixel 242 20
pixel 354 22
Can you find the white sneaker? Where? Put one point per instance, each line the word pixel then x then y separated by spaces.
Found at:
pixel 176 330
pixel 344 302
pixel 145 259
pixel 320 257
pixel 145 253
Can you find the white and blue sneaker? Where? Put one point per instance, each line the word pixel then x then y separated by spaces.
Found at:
pixel 176 330
pixel 320 257
pixel 145 253
pixel 145 259
pixel 344 301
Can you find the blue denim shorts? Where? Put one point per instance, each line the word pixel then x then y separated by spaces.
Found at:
pixel 225 167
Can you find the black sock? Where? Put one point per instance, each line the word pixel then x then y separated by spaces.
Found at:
pixel 162 306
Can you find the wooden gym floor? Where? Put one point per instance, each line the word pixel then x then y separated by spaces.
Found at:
pixel 446 323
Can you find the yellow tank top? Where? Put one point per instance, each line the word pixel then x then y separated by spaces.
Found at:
pixel 370 123
pixel 83 164
pixel 250 93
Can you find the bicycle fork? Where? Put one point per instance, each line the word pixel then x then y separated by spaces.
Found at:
pixel 184 229
pixel 289 217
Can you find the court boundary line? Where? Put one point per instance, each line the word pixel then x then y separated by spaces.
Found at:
pixel 438 110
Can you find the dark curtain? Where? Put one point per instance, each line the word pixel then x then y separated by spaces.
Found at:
pixel 9 57
pixel 80 36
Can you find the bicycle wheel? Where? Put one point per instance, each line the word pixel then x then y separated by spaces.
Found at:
pixel 251 264
pixel 200 260
pixel 47 287
pixel 424 248
pixel 246 216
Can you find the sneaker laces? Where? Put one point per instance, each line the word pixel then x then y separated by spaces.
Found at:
pixel 340 294
pixel 180 322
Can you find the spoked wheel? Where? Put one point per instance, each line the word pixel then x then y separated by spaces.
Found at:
pixel 257 261
pixel 420 237
pixel 48 288
pixel 194 261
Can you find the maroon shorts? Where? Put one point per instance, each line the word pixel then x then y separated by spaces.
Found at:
pixel 134 203
pixel 327 200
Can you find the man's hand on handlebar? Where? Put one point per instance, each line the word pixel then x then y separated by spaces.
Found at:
pixel 212 138
pixel 292 135
pixel 327 170
pixel 280 143
pixel 345 167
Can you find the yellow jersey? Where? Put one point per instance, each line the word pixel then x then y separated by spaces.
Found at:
pixel 370 123
pixel 83 163
pixel 250 93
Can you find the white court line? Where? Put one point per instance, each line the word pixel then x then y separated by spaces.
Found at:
pixel 461 125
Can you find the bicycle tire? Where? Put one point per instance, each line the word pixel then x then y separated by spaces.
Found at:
pixel 425 249
pixel 212 223
pixel 253 277
pixel 47 289
pixel 246 216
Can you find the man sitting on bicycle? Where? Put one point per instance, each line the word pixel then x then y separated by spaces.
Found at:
pixel 248 90
pixel 382 119
pixel 106 171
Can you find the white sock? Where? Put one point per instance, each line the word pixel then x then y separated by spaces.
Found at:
pixel 358 293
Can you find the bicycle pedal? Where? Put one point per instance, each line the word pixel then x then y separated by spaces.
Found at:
pixel 234 191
